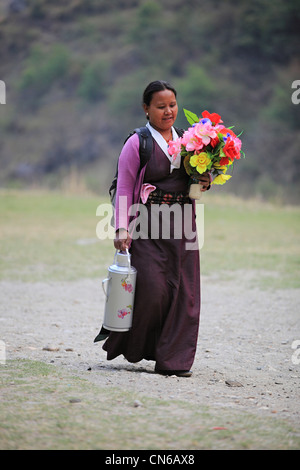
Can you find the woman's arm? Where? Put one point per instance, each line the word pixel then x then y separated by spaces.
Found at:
pixel 128 168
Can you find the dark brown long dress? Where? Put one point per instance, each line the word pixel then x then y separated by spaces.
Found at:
pixel 167 301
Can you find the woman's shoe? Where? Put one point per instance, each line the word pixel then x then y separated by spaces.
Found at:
pixel 183 373
pixel 103 334
pixel 178 373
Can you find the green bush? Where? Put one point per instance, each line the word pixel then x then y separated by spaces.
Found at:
pixel 148 22
pixel 149 33
pixel 198 90
pixel 125 102
pixel 94 81
pixel 42 69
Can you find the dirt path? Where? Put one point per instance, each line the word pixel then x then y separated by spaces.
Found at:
pixel 245 358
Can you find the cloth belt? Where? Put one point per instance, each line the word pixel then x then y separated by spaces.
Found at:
pixel 159 196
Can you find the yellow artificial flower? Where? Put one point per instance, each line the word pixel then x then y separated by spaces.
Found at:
pixel 200 161
pixel 221 179
pixel 217 166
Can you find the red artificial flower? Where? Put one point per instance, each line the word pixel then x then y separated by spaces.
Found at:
pixel 230 150
pixel 214 117
pixel 214 142
pixel 230 132
pixel 224 161
pixel 226 131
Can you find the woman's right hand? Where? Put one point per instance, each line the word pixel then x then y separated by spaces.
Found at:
pixel 204 179
pixel 122 240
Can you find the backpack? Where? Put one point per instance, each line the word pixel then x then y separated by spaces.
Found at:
pixel 145 151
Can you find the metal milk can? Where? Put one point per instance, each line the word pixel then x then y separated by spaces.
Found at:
pixel 119 290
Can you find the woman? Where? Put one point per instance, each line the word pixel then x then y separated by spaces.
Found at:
pixel 167 300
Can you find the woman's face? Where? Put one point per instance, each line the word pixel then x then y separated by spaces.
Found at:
pixel 162 110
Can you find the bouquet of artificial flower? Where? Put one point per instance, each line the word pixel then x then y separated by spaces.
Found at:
pixel 206 146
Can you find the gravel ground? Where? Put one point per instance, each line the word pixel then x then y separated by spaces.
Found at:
pixel 246 359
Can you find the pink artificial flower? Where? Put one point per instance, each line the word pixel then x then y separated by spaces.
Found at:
pixel 191 141
pixel 205 131
pixel 174 147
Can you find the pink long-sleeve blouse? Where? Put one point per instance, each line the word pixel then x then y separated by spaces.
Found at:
pixel 129 181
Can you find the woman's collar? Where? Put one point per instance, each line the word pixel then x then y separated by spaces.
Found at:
pixel 164 145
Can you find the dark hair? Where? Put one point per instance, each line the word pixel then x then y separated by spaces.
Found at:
pixel 153 87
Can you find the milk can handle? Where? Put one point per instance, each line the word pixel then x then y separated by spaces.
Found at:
pixel 128 259
pixel 103 282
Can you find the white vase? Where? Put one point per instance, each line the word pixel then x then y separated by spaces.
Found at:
pixel 195 191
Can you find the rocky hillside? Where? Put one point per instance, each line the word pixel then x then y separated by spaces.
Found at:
pixel 75 72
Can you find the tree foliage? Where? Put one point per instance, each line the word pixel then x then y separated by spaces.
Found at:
pixel 235 58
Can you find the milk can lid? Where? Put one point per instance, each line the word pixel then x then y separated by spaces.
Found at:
pixel 122 259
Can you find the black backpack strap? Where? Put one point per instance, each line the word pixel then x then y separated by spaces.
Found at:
pixel 145 151
pixel 179 131
pixel 146 144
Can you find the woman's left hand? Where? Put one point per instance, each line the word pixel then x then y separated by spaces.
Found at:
pixel 122 240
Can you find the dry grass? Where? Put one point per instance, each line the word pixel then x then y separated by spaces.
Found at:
pixel 53 236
